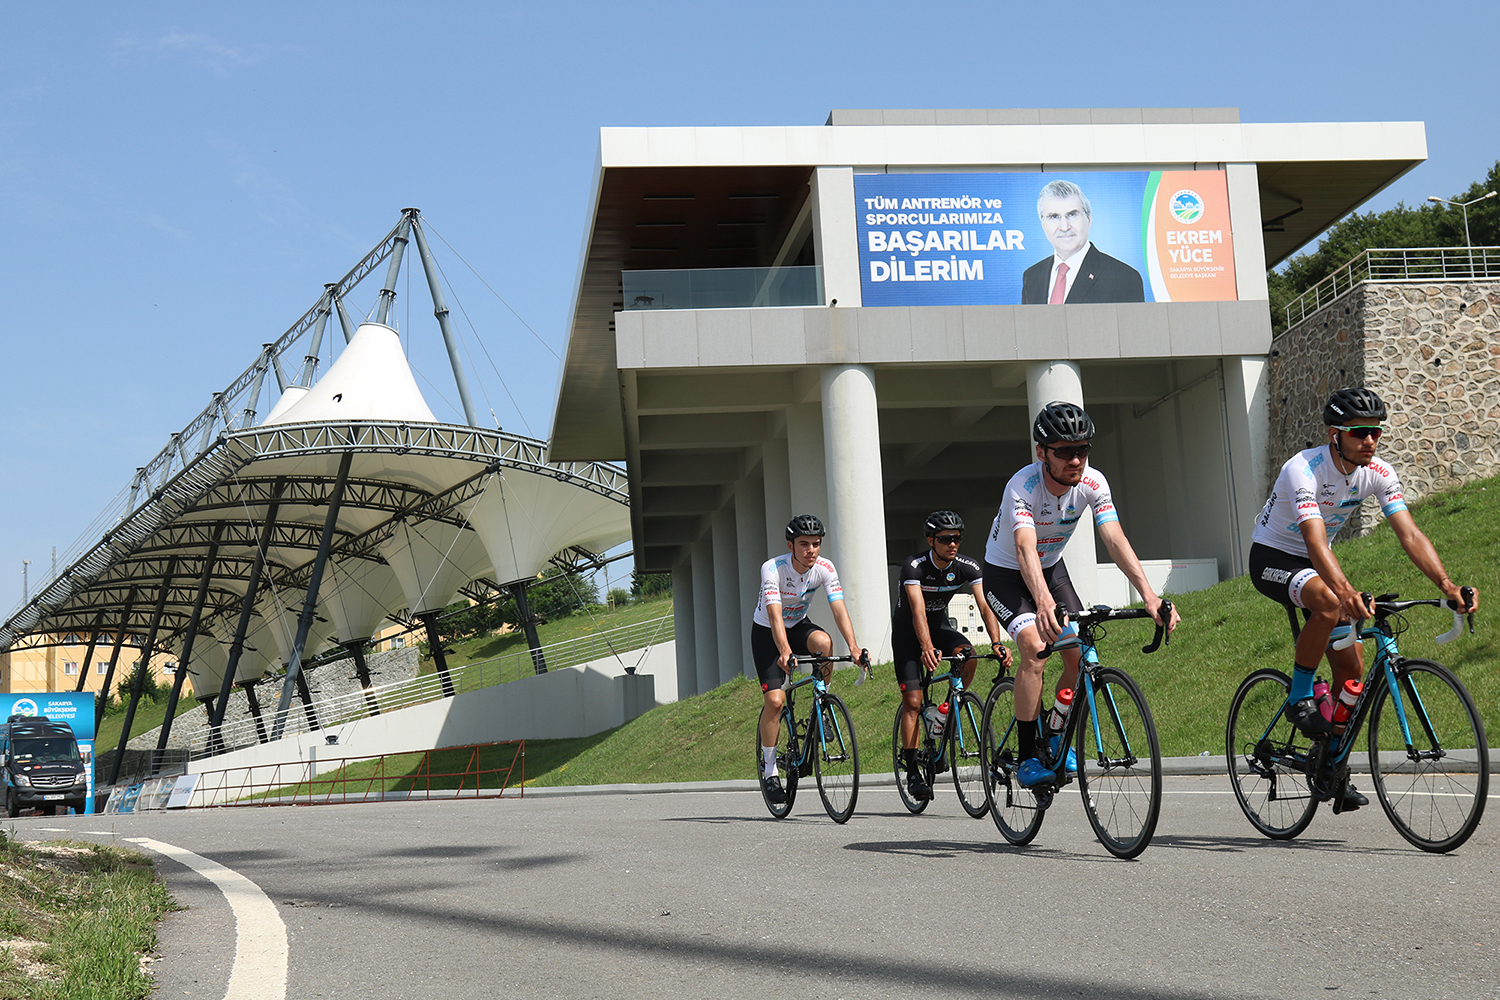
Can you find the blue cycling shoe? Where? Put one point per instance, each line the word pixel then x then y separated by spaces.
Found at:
pixel 1033 772
pixel 1072 754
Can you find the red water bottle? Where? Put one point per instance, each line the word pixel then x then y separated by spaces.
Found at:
pixel 1347 697
pixel 1058 717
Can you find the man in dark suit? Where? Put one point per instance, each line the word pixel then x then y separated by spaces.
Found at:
pixel 1077 271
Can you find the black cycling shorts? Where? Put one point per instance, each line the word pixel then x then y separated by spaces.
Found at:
pixel 1008 596
pixel 908 654
pixel 763 649
pixel 1280 575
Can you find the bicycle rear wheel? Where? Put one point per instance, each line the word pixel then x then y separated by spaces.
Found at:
pixel 786 763
pixel 1017 811
pixel 1119 765
pixel 966 753
pixel 835 758
pixel 1268 758
pixel 1433 788
pixel 924 765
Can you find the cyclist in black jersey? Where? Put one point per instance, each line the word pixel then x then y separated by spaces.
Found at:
pixel 919 625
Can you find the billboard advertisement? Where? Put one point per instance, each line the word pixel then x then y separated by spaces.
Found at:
pixel 1044 238
pixel 73 707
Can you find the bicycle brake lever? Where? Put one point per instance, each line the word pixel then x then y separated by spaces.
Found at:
pixel 1162 635
pixel 1354 627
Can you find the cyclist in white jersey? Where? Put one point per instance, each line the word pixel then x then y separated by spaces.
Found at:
pixel 1025 581
pixel 783 630
pixel 1291 561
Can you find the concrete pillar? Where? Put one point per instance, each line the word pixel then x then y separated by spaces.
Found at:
pixel 1247 418
pixel 835 239
pixel 727 603
pixel 778 495
pixel 1047 381
pixel 705 615
pixel 806 461
pixel 750 537
pixel 685 627
pixel 856 500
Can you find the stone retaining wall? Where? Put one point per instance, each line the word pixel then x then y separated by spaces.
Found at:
pixel 1432 351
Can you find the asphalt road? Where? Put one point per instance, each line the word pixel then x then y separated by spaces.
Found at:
pixel 704 895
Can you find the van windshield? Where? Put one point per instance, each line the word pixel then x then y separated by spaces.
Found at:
pixel 47 750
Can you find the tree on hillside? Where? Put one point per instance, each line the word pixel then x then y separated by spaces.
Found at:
pixel 645 586
pixel 1428 225
pixel 555 597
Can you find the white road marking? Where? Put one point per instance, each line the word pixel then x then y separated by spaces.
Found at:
pixel 260 951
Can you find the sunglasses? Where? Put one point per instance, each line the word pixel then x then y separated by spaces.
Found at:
pixel 947 539
pixel 1362 432
pixel 1068 454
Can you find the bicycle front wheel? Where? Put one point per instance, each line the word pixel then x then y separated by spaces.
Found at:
pixel 1268 758
pixel 966 753
pixel 1433 785
pixel 1017 811
pixel 835 758
pixel 786 763
pixel 924 764
pixel 1119 765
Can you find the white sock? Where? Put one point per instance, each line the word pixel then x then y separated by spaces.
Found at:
pixel 768 762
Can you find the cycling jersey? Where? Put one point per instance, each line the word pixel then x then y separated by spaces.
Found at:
pixel 780 583
pixel 1310 485
pixel 938 586
pixel 1027 503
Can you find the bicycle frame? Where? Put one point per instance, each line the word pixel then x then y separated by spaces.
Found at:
pixel 1388 660
pixel 800 734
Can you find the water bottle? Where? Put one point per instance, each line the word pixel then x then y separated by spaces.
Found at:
pixel 1323 699
pixel 1058 717
pixel 1347 698
pixel 937 719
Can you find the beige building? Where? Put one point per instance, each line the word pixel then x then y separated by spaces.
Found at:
pixel 57 667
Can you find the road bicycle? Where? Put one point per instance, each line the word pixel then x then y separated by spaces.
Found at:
pixel 959 749
pixel 1428 755
pixel 1112 732
pixel 821 743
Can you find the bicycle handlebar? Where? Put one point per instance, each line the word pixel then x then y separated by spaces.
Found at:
pixel 1103 613
pixel 1387 604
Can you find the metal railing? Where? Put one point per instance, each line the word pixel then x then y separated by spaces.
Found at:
pixel 480 771
pixel 1418 264
pixel 627 643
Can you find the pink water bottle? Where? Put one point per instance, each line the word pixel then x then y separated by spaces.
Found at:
pixel 1322 697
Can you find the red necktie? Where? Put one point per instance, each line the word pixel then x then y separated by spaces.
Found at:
pixel 1060 286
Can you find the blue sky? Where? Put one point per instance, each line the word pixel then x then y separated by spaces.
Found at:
pixel 177 181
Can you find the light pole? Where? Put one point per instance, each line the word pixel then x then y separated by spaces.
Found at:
pixel 1465 206
pixel 25 584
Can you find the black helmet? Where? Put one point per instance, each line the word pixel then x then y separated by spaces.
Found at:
pixel 1060 421
pixel 804 524
pixel 943 520
pixel 1352 404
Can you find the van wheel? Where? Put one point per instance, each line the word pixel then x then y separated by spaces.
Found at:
pixel 12 807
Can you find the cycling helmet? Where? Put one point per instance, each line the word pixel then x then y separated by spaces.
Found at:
pixel 944 520
pixel 804 524
pixel 1060 421
pixel 1353 404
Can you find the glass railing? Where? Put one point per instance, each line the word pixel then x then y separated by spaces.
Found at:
pixel 723 288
